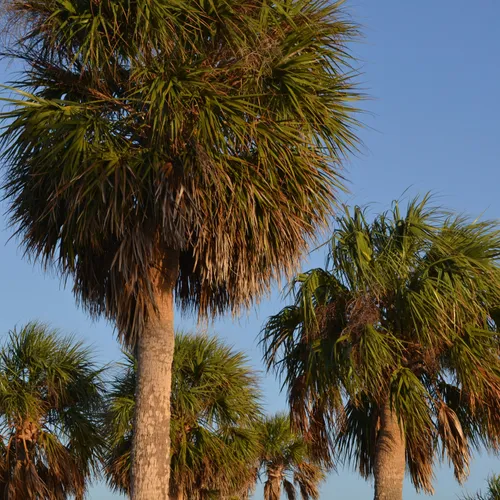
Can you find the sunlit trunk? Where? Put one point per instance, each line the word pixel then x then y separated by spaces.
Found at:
pixel 390 460
pixel 272 488
pixel 155 351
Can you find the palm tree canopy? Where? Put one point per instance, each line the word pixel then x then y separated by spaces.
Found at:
pixel 215 400
pixel 406 311
pixel 210 128
pixel 50 401
pixel 286 458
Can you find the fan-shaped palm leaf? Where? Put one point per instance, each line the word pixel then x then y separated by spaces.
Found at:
pixel 492 493
pixel 285 459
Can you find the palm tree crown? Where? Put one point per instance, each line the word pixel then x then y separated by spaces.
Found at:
pixel 50 399
pixel 285 459
pixel 399 331
pixel 215 401
pixel 202 132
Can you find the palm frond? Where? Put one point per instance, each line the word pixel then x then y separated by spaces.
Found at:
pixel 287 457
pixel 215 401
pixel 357 435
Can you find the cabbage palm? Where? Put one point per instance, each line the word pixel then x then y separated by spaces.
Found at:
pixel 391 354
pixel 50 399
pixel 189 146
pixel 285 459
pixel 215 401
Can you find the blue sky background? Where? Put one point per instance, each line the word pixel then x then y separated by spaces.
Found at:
pixel 432 71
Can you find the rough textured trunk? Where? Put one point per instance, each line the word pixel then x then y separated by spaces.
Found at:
pixel 155 351
pixel 390 460
pixel 272 488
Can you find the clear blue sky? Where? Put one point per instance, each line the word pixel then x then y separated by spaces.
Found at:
pixel 433 71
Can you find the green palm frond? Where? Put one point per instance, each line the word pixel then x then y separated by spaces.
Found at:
pixel 286 458
pixel 357 434
pixel 492 493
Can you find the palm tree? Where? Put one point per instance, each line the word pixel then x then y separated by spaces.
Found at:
pixel 50 399
pixel 493 492
pixel 391 354
pixel 285 459
pixel 215 401
pixel 159 147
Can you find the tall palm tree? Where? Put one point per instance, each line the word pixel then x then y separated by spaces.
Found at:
pixel 215 401
pixel 285 459
pixel 189 146
pixel 50 399
pixel 391 354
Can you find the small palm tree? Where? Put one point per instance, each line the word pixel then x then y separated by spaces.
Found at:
pixel 50 402
pixel 189 146
pixel 392 353
pixel 493 492
pixel 285 459
pixel 215 401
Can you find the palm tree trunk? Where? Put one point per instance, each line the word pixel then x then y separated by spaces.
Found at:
pixel 390 459
pixel 155 351
pixel 272 488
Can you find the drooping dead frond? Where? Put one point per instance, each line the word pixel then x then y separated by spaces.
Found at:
pixel 307 478
pixel 420 454
pixel 454 441
pixel 356 436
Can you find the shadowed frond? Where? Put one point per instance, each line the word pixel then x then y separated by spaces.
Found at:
pixel 357 435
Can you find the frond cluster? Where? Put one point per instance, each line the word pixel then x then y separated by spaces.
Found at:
pixel 210 128
pixel 405 312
